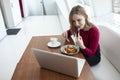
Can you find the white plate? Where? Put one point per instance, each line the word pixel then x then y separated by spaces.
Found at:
pixel 53 45
pixel 63 48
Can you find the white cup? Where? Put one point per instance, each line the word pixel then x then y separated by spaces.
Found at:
pixel 53 40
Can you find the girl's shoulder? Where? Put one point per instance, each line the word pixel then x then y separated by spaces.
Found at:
pixel 94 29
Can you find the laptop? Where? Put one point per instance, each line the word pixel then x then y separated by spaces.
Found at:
pixel 64 64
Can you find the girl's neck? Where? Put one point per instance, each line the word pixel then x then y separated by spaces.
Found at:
pixel 86 28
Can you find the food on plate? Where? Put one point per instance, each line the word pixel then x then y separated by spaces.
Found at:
pixel 70 49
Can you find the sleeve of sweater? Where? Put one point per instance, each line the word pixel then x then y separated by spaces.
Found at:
pixel 69 33
pixel 93 42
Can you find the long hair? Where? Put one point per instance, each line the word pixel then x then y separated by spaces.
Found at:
pixel 80 11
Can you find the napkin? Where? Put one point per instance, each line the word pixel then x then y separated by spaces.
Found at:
pixel 74 38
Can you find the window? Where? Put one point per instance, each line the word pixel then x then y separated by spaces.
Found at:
pixel 116 6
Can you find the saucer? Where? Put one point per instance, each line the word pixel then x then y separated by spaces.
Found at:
pixel 53 45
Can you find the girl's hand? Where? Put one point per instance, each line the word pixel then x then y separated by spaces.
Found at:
pixel 79 42
pixel 64 34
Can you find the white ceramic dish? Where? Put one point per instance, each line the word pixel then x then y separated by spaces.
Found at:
pixel 53 45
pixel 62 49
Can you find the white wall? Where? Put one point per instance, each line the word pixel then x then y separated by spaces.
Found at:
pixel 101 7
pixel 16 14
pixel 63 14
pixel 32 7
pixel 88 9
pixel 97 8
pixel 35 8
pixel 5 9
pixel 50 7
pixel 11 11
pixel 2 26
pixel 71 3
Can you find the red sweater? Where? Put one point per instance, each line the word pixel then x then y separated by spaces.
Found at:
pixel 90 39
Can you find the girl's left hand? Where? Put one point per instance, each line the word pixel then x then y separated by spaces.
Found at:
pixel 79 42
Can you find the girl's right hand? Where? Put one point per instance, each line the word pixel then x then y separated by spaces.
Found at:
pixel 80 42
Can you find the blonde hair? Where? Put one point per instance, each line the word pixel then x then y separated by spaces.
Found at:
pixel 80 11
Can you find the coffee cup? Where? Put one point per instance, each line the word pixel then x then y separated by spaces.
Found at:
pixel 53 40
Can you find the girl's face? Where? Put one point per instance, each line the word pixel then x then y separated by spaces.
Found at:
pixel 78 21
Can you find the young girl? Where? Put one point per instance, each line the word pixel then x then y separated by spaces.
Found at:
pixel 87 35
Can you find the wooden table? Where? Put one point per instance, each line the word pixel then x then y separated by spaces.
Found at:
pixel 29 69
